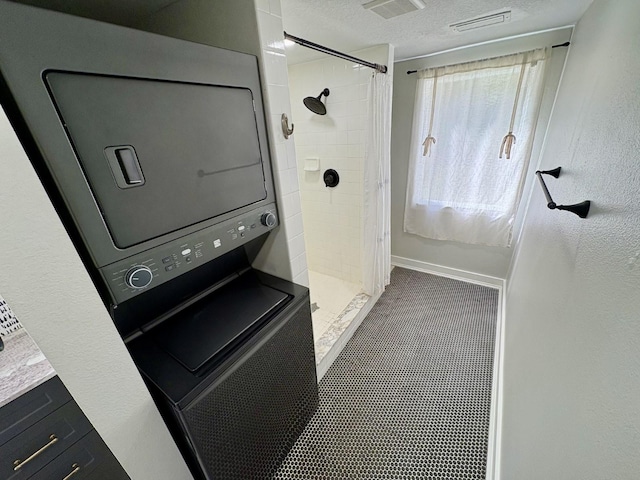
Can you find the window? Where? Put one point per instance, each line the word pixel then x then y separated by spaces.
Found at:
pixel 465 176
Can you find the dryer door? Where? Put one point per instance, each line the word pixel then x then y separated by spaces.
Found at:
pixel 159 155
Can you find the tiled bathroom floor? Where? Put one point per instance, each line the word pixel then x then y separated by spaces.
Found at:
pixel 409 396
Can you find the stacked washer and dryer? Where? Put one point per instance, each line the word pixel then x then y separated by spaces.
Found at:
pixel 155 153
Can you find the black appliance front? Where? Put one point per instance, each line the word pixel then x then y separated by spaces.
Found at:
pixel 234 375
pixel 160 156
pixel 149 146
pixel 203 331
pixel 154 152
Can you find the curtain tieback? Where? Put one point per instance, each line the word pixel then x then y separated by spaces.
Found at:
pixel 508 140
pixel 430 140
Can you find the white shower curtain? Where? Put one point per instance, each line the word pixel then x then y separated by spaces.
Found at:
pixel 376 263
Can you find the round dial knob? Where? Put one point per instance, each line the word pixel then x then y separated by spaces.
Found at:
pixel 268 219
pixel 138 276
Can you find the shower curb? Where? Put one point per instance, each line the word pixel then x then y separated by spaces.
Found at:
pixel 336 348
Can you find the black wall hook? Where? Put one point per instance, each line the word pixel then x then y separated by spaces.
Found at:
pixel 581 209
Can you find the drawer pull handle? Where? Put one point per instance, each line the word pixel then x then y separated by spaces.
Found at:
pixel 76 469
pixel 21 463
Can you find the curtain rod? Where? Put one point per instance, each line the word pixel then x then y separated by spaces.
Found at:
pixel 335 53
pixel 565 44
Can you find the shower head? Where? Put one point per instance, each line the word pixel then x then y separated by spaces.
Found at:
pixel 315 104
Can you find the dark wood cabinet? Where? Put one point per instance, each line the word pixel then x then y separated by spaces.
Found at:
pixel 30 408
pixel 88 459
pixel 45 435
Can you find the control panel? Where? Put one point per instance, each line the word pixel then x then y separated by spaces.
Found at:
pixel 134 275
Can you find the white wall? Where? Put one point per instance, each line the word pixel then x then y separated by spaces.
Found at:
pixel 333 216
pixel 284 250
pixel 227 24
pixel 492 261
pixel 47 286
pixel 572 346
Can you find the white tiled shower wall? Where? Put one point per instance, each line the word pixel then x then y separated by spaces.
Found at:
pixel 333 216
pixel 288 245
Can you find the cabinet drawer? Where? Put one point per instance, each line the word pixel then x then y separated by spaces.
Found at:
pixel 88 459
pixel 44 441
pixel 33 406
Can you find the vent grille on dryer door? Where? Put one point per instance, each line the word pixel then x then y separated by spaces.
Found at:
pixel 244 427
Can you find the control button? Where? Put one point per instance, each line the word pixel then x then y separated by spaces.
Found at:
pixel 138 276
pixel 168 268
pixel 187 259
pixel 167 260
pixel 241 228
pixel 268 219
pixel 186 252
pixel 253 225
pixel 243 234
pixel 217 243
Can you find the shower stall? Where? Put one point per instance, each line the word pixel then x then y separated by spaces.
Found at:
pixel 330 140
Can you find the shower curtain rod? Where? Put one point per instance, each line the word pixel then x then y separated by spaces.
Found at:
pixel 565 44
pixel 335 53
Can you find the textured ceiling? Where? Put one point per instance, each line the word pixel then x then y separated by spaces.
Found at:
pixel 346 26
pixel 121 12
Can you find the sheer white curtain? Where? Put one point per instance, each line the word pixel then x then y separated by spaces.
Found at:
pixel 376 264
pixel 465 175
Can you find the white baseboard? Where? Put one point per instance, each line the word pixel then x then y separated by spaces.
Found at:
pixel 441 270
pixel 495 418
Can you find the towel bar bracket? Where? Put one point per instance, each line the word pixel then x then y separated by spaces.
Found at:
pixel 581 209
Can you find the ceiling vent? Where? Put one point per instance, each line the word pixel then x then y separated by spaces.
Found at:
pixel 393 8
pixel 482 21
